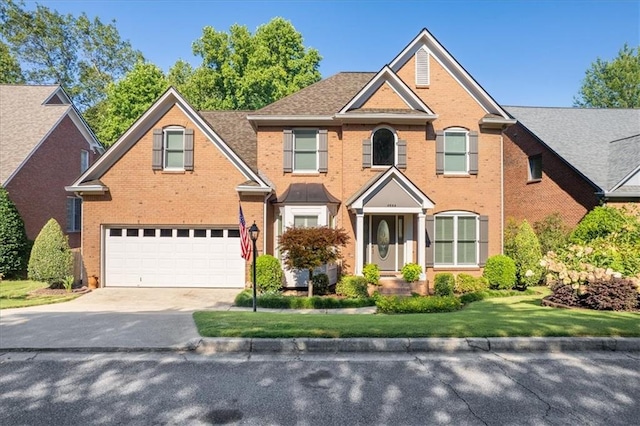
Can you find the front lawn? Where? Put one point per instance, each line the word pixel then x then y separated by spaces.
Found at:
pixel 501 317
pixel 16 294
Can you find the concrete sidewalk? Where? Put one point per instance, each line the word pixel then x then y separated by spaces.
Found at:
pixel 135 320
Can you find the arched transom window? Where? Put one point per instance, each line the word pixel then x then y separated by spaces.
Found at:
pixel 384 147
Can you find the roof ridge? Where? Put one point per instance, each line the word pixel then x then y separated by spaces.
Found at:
pixel 626 137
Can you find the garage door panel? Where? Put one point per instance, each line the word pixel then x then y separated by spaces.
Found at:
pixel 143 257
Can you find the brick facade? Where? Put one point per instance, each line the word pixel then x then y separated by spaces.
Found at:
pixel 38 187
pixel 561 190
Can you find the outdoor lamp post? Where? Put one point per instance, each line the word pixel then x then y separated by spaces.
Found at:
pixel 253 234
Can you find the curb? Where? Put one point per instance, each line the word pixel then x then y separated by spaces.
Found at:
pixel 210 346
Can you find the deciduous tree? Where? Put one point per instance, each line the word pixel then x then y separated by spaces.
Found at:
pixel 614 84
pixel 10 71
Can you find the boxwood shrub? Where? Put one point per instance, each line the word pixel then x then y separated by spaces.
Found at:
pixel 278 301
pixel 500 270
pixel 416 304
pixel 351 286
pixel 490 294
pixel 466 283
pixel 444 283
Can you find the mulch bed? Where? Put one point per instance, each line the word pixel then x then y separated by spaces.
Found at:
pixel 58 291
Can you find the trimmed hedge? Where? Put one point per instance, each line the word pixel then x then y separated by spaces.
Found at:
pixel 276 301
pixel 269 274
pixel 500 270
pixel 417 304
pixel 411 272
pixel 351 286
pixel 466 283
pixel 475 296
pixel 51 258
pixel 444 283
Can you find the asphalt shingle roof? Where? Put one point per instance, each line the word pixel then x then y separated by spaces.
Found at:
pixel 236 131
pixel 603 144
pixel 325 97
pixel 24 122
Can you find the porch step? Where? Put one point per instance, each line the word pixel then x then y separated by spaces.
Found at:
pixel 394 286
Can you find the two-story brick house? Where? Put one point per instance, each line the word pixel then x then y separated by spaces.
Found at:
pixel 44 145
pixel 407 160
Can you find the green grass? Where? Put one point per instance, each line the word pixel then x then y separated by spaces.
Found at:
pixel 15 294
pixel 500 317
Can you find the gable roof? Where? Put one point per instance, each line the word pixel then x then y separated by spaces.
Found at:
pixel 426 40
pixel 601 144
pixel 234 128
pixel 170 98
pixel 28 114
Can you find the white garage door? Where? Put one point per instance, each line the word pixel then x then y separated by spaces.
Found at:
pixel 170 257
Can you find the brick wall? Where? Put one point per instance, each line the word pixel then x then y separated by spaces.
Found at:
pixel 560 190
pixel 38 187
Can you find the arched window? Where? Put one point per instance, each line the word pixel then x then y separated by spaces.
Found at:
pixel 384 147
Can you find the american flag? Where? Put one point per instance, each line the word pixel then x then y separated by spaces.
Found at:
pixel 244 238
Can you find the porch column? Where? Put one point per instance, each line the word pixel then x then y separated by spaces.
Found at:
pixel 422 244
pixel 359 240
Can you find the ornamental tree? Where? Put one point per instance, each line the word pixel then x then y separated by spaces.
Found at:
pixel 310 248
pixel 51 258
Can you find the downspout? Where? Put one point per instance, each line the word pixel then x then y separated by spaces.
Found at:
pixel 264 222
pixel 502 191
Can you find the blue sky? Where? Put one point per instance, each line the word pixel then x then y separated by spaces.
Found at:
pixel 522 52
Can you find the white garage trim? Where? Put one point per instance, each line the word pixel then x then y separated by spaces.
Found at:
pixel 166 256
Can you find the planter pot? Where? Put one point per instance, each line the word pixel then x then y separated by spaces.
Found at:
pixel 93 282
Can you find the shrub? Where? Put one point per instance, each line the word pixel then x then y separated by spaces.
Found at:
pixel 51 258
pixel 466 283
pixel 13 239
pixel 352 287
pixel 600 222
pixel 552 233
pixel 67 282
pixel 617 294
pixel 371 273
pixel 416 305
pixel 510 232
pixel 500 271
pixel 269 274
pixel 490 294
pixel 411 272
pixel 565 294
pixel 278 301
pixel 320 284
pixel 444 284
pixel 527 256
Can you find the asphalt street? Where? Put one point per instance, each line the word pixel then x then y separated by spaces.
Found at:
pixel 583 388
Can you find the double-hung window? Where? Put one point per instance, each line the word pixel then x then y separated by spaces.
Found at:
pixel 84 160
pixel 305 150
pixel 306 221
pixel 456 151
pixel 535 168
pixel 173 149
pixel 456 239
pixel 74 214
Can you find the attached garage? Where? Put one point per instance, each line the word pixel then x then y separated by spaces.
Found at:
pixel 173 257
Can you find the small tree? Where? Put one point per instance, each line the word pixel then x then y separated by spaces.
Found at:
pixel 552 233
pixel 527 255
pixel 310 248
pixel 51 258
pixel 13 239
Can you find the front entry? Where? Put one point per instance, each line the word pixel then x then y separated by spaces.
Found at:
pixel 385 245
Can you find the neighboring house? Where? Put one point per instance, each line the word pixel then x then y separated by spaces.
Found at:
pixel 407 160
pixel 44 146
pixel 569 160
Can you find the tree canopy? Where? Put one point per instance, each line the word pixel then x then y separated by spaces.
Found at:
pixel 240 70
pixel 81 54
pixel 614 84
pixel 10 71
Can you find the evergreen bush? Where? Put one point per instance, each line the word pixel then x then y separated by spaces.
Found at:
pixel 500 271
pixel 527 255
pixel 600 222
pixel 14 245
pixel 371 273
pixel 320 284
pixel 444 284
pixel 411 272
pixel 269 274
pixel 466 283
pixel 417 305
pixel 51 258
pixel 352 287
pixel 552 233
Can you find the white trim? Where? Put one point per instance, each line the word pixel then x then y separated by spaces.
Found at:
pixel 392 210
pixel 624 180
pixel 293 151
pixel 165 150
pixel 375 118
pixel 99 189
pixel 424 203
pixel 395 146
pixel 444 159
pixel 455 214
pixel 170 98
pixel 387 75
pixel 439 53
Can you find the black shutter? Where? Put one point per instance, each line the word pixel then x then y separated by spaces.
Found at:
pixel 156 161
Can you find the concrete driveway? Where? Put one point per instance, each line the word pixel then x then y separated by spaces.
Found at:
pixel 113 318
